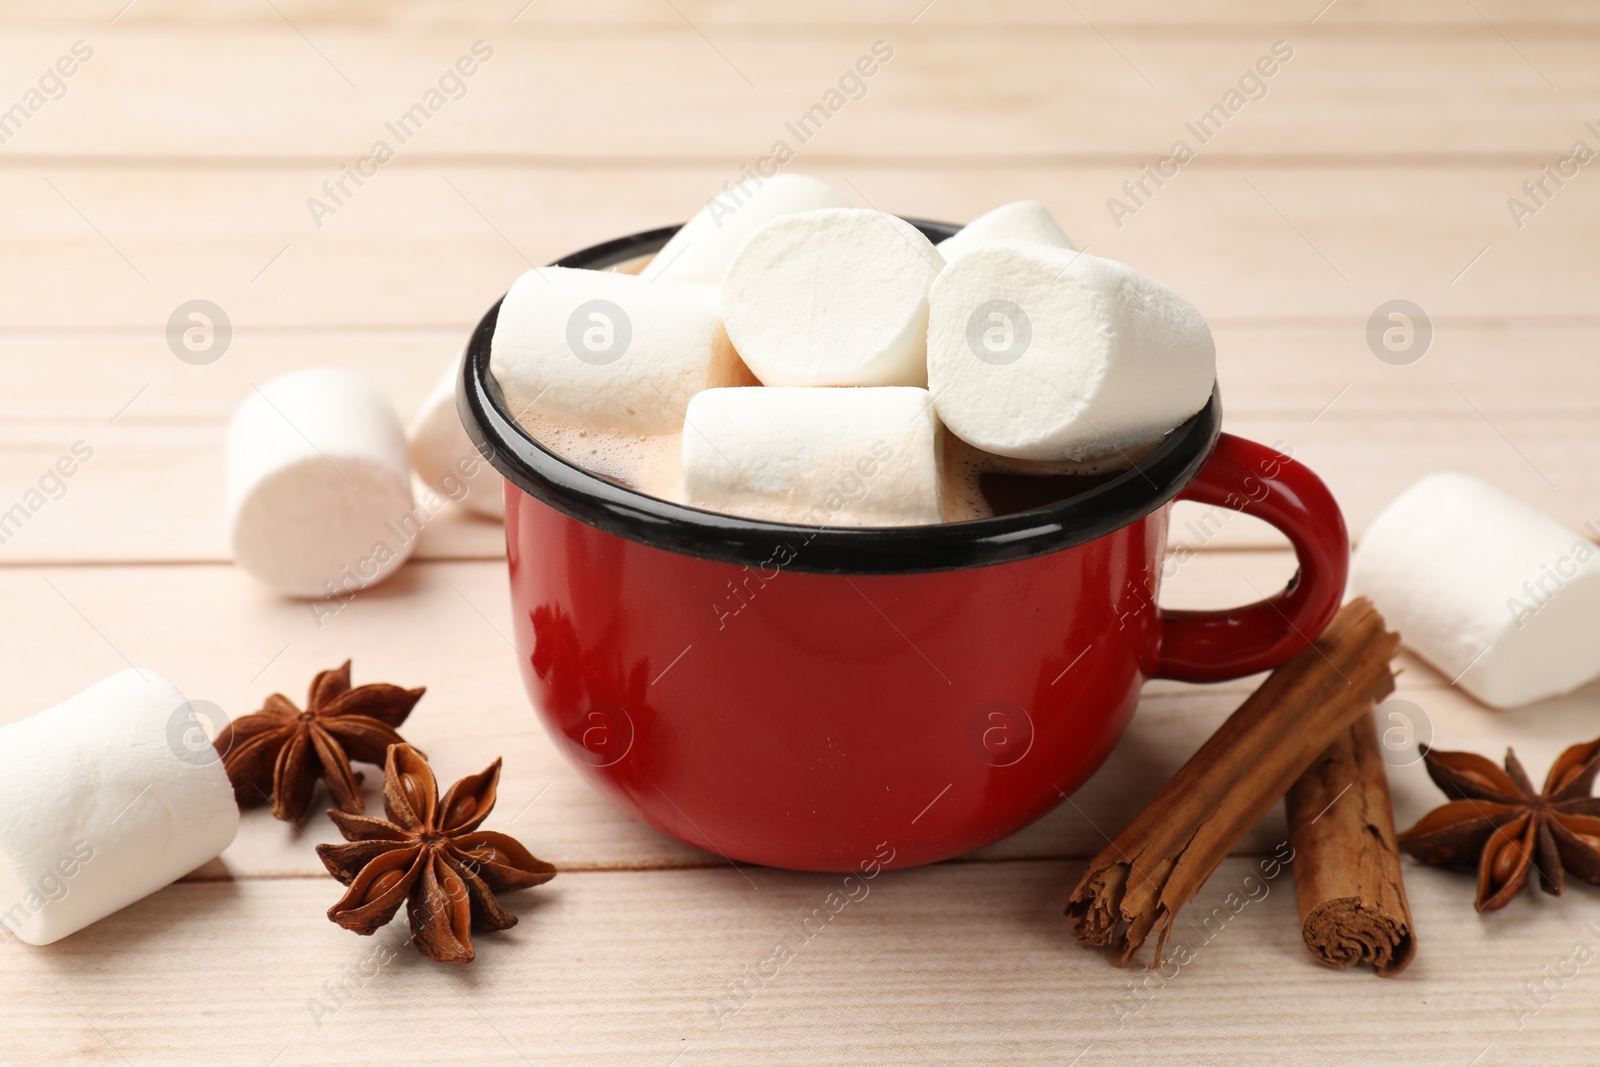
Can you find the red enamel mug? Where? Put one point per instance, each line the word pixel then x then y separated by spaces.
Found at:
pixel 820 697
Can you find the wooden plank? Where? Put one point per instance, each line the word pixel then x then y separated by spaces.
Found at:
pixel 646 91
pixel 963 963
pixel 221 639
pixel 425 246
pixel 1316 370
pixel 154 492
pixel 1280 369
pixel 1316 388
pixel 155 428
pixel 1368 462
pixel 43 375
pixel 1122 15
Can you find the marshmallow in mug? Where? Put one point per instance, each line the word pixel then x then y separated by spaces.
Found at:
pixel 837 296
pixel 446 460
pixel 319 481
pixel 829 457
pixel 609 351
pixel 103 801
pixel 1043 353
pixel 702 248
pixel 1502 599
pixel 1025 220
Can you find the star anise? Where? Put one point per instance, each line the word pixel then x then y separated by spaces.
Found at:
pixel 1500 825
pixel 279 752
pixel 431 856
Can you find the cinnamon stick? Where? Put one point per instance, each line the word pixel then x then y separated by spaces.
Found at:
pixel 1136 885
pixel 1347 863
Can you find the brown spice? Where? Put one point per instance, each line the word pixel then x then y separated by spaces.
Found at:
pixel 430 856
pixel 1136 885
pixel 1347 877
pixel 279 752
pixel 1501 826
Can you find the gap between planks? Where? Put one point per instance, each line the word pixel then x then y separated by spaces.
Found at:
pixel 1076 27
pixel 710 863
pixel 1217 160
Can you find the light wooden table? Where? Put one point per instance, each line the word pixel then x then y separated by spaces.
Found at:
pixel 177 165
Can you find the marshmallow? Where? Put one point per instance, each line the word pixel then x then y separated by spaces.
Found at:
pixel 1025 220
pixel 1502 599
pixel 823 457
pixel 104 799
pixel 445 459
pixel 832 297
pixel 319 484
pixel 701 249
pixel 609 351
pixel 1048 354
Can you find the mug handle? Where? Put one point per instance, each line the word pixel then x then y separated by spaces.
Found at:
pixel 1213 646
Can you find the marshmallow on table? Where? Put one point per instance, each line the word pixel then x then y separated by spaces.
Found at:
pixel 104 799
pixel 701 249
pixel 1501 598
pixel 837 296
pixel 1044 353
pixel 609 351
pixel 319 484
pixel 445 458
pixel 1025 220
pixel 823 457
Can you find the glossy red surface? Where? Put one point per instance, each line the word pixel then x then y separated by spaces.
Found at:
pixel 803 720
pixel 1213 646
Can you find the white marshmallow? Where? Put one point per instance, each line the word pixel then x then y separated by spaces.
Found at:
pixel 701 250
pixel 823 457
pixel 444 457
pixel 1025 220
pixel 609 351
pixel 1498 596
pixel 1048 354
pixel 104 799
pixel 319 484
pixel 832 297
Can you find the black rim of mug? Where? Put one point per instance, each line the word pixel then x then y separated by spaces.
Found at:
pixel 1129 496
